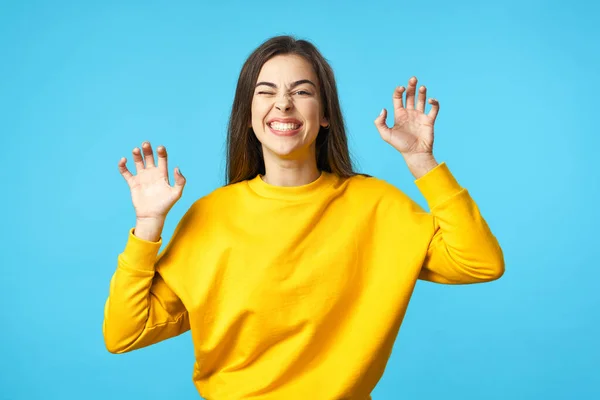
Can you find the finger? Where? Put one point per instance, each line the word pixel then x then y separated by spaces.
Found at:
pixel 161 151
pixel 421 99
pixel 137 160
pixel 435 108
pixel 397 98
pixel 123 169
pixel 410 93
pixel 381 125
pixel 148 155
pixel 179 180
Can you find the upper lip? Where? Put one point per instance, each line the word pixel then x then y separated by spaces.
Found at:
pixel 285 121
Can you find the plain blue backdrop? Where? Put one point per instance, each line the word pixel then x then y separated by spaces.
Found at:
pixel 83 83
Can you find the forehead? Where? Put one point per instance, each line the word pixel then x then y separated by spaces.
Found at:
pixel 287 68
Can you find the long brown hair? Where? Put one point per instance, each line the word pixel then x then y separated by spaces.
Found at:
pixel 244 151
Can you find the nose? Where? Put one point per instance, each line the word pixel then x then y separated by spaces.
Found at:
pixel 283 103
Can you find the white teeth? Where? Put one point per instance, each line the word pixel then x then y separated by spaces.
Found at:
pixel 283 127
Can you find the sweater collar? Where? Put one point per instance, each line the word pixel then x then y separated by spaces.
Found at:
pixel 264 189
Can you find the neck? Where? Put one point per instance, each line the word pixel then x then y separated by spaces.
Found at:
pixel 290 172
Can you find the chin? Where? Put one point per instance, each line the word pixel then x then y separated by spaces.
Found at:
pixel 282 150
pixel 289 151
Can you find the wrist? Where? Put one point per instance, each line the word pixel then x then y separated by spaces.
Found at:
pixel 420 164
pixel 149 229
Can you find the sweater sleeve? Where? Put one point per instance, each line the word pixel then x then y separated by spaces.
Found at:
pixel 462 248
pixel 141 308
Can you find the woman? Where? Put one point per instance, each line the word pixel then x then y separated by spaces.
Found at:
pixel 295 276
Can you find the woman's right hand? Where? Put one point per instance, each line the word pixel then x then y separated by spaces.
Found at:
pixel 151 193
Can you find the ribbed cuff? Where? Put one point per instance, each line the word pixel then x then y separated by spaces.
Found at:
pixel 140 254
pixel 438 185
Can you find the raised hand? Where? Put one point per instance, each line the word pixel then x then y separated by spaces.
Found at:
pixel 151 193
pixel 412 133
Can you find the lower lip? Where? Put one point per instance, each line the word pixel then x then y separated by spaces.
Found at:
pixel 285 133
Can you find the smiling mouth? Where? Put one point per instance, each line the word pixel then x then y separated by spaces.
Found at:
pixel 284 127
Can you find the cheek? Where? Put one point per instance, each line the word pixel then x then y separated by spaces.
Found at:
pixel 311 111
pixel 259 112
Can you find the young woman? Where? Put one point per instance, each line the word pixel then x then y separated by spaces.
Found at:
pixel 295 276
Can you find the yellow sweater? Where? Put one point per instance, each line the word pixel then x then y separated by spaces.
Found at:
pixel 297 292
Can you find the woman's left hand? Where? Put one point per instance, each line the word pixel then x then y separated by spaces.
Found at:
pixel 412 133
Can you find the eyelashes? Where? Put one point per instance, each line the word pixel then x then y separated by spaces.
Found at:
pixel 301 92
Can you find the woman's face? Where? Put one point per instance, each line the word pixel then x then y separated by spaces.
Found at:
pixel 286 107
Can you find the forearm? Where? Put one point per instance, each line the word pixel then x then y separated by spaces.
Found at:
pixel 141 309
pixel 127 309
pixel 463 248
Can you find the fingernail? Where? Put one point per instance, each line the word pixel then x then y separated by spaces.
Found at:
pixel 381 113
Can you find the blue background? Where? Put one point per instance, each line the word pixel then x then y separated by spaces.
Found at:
pixel 83 83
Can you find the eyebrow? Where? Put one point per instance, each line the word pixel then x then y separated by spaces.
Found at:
pixel 294 84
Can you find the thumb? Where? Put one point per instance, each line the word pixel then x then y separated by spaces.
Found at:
pixel 179 179
pixel 381 126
